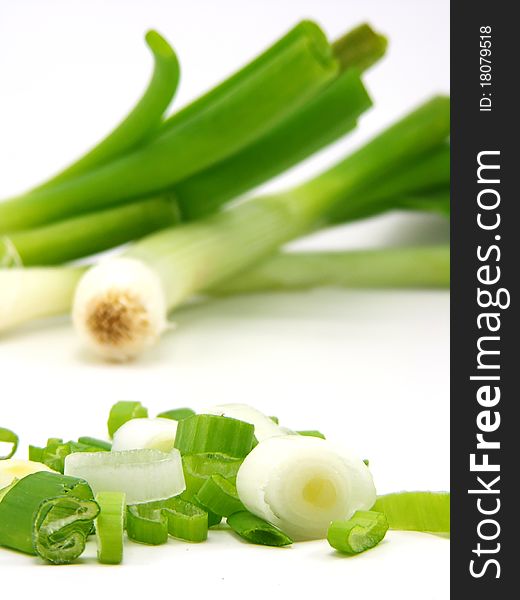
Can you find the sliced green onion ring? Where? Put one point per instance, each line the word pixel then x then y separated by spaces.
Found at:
pixel 11 439
pixel 362 532
pixel 256 530
pixel 416 511
pixel 210 433
pixel 200 467
pixel 144 475
pixel 110 527
pixel 122 412
pixel 220 496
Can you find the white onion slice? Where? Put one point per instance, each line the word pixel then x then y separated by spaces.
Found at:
pixel 143 475
pixel 265 427
pixel 158 434
pixel 301 484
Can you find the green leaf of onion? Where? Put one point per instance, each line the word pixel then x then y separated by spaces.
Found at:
pixel 123 411
pixel 9 438
pixel 416 511
pixel 177 414
pixel 361 532
pixel 256 530
pixel 110 527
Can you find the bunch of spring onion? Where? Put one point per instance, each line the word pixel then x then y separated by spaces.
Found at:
pixel 180 473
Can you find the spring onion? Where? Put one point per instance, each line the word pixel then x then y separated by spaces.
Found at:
pixel 416 511
pixel 214 434
pixel 300 484
pixel 120 306
pixel 143 475
pixel 10 439
pixel 11 469
pixel 155 433
pixel 89 233
pixel 95 443
pixel 198 468
pixel 359 533
pixel 219 496
pixel 142 121
pixel 123 411
pixel 264 426
pixel 219 124
pixel 151 523
pixel 54 453
pixel 312 433
pixel 413 267
pixel 256 530
pixel 177 414
pixel 110 527
pixel 48 514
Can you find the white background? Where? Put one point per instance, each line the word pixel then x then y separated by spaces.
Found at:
pixel 367 368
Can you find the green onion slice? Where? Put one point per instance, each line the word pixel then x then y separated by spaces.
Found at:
pixel 54 453
pixel 144 475
pixel 211 433
pixel 122 412
pixel 152 522
pixel 110 527
pixel 362 532
pixel 220 496
pixel 256 530
pixel 95 443
pixel 312 433
pixel 416 511
pixel 200 467
pixel 9 438
pixel 47 514
pixel 177 414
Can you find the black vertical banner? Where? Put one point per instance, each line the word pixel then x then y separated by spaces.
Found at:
pixel 485 360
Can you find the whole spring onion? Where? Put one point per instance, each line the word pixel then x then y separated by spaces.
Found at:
pixel 12 469
pixel 152 523
pixel 214 127
pixel 10 439
pixel 416 511
pixel 361 532
pixel 142 121
pixel 264 426
pixel 256 530
pixel 214 434
pixel 120 306
pixel 110 527
pixel 158 434
pixel 143 475
pixel 124 411
pixel 300 484
pixel 48 514
pixel 413 267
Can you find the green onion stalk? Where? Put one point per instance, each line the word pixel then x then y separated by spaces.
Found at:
pixel 121 305
pixel 214 127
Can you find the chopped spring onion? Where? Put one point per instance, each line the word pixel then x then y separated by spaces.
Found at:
pixel 11 469
pixel 123 411
pixel 220 496
pixel 120 306
pixel 361 47
pixel 89 233
pixel 142 121
pixel 54 453
pixel 48 514
pixel 214 434
pixel 416 511
pixel 300 484
pixel 264 426
pixel 211 129
pixel 110 527
pixel 155 433
pixel 256 530
pixel 200 467
pixel 414 267
pixel 361 532
pixel 177 414
pixel 9 439
pixel 312 433
pixel 95 443
pixel 151 523
pixel 144 475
